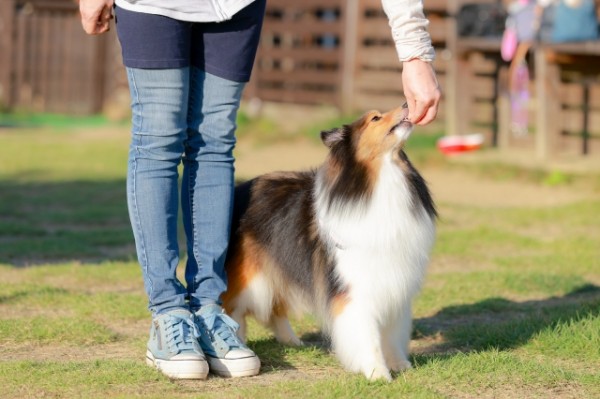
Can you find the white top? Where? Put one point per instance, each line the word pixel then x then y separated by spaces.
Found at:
pixel 406 18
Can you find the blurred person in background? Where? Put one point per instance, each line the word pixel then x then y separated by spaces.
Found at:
pixel 187 62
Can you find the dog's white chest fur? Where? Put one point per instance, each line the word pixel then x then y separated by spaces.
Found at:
pixel 382 248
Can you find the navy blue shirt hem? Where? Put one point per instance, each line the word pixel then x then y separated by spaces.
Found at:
pixel 156 64
pixel 225 74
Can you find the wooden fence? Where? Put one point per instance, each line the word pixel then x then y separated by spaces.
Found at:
pixel 336 52
pixel 47 64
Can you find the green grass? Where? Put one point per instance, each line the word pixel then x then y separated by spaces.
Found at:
pixel 510 307
pixel 46 330
pixel 26 119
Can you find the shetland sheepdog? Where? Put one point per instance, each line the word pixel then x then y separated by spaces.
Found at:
pixel 349 242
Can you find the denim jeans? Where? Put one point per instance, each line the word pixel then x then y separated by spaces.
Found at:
pixel 181 115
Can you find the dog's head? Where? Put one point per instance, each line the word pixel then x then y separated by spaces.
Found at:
pixel 372 136
pixel 360 150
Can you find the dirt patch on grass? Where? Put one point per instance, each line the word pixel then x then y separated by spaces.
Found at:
pixel 265 378
pixel 464 188
pixel 68 353
pixel 458 264
pixel 134 350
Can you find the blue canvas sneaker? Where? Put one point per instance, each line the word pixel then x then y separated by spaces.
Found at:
pixel 226 354
pixel 173 346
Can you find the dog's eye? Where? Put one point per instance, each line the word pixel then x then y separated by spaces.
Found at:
pixel 375 118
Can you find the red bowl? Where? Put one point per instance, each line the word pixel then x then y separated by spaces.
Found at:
pixel 460 144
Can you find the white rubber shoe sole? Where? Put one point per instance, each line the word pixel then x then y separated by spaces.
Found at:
pixel 245 367
pixel 181 369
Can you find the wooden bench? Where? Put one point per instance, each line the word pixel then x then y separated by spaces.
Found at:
pixel 472 61
pixel 564 111
pixel 565 101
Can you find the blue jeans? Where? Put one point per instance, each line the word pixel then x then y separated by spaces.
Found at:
pixel 181 115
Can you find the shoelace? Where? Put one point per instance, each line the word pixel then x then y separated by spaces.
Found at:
pixel 224 327
pixel 182 333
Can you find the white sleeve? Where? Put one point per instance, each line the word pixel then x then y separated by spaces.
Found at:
pixel 546 3
pixel 409 29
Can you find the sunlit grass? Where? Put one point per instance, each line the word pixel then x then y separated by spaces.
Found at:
pixel 510 307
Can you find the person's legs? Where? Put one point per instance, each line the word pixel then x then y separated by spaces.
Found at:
pixel 159 108
pixel 191 114
pixel 207 187
pixel 159 124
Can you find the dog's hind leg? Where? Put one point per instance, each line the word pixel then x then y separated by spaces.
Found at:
pixel 280 325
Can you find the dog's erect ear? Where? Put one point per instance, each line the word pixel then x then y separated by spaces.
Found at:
pixel 333 136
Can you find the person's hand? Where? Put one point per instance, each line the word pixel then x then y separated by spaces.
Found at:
pixel 96 15
pixel 421 90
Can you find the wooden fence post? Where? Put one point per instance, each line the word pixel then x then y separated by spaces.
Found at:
pixel 452 74
pixel 7 8
pixel 503 104
pixel 547 121
pixel 350 14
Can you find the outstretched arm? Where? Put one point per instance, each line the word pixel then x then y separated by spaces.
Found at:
pixel 413 44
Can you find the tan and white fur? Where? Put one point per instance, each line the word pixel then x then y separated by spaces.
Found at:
pixel 349 242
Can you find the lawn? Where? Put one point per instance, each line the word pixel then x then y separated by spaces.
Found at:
pixel 510 307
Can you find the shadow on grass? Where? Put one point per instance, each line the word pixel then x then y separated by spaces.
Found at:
pixel 273 355
pixel 491 324
pixel 47 222
pixel 28 292
pixel 50 222
pixel 498 323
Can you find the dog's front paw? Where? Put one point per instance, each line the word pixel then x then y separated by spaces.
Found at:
pixel 378 373
pixel 401 365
